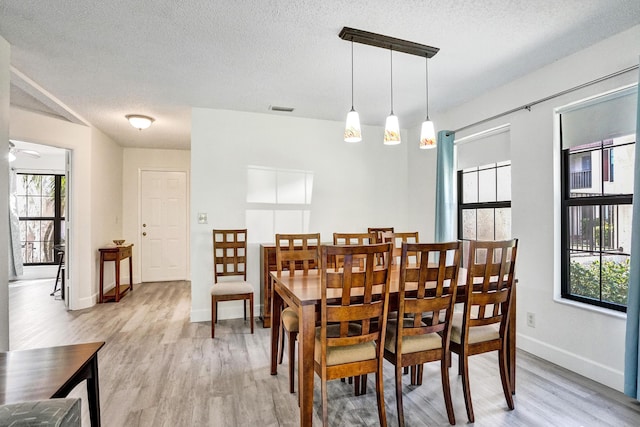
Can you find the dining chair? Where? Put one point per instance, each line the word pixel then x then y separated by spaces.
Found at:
pixel 352 298
pixel 230 259
pixel 352 239
pixel 426 299
pixel 398 239
pixel 380 232
pixel 483 325
pixel 294 253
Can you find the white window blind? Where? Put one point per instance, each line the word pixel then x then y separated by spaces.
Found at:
pixel 483 148
pixel 604 117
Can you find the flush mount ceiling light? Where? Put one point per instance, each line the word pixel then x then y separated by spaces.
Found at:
pixel 392 131
pixel 139 121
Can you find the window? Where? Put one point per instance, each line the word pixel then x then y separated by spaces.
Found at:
pixel 484 203
pixel 597 197
pixel 41 205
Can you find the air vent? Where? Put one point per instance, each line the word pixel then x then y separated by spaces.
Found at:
pixel 284 109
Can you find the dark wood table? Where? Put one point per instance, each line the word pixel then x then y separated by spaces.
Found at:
pixel 302 292
pixel 116 254
pixel 47 373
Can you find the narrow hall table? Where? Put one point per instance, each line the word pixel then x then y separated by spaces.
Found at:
pixel 47 373
pixel 302 292
pixel 116 254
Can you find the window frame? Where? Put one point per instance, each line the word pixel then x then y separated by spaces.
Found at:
pixel 600 201
pixel 57 218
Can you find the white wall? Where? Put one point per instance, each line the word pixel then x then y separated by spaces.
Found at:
pixel 4 193
pixel 584 339
pixel 93 205
pixel 134 161
pixel 355 186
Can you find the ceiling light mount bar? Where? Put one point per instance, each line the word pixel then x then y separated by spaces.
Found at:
pixel 386 42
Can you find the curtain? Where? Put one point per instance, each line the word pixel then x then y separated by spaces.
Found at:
pixel 15 250
pixel 445 172
pixel 632 342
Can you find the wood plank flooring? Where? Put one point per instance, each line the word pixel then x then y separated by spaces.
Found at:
pixel 159 369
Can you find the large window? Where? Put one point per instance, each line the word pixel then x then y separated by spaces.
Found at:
pixel 484 203
pixel 598 155
pixel 41 205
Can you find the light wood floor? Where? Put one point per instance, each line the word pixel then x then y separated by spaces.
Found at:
pixel 159 369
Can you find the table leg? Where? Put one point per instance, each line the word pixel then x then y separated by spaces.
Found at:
pixel 306 344
pixel 118 277
pixel 93 393
pixel 131 272
pixel 101 297
pixel 276 310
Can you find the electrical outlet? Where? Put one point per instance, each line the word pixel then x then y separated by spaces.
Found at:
pixel 531 320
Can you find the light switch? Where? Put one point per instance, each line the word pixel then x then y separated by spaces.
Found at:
pixel 202 218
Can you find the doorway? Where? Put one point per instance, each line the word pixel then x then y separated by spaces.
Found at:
pixel 163 225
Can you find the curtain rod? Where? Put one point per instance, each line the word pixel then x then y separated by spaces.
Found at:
pixel 547 98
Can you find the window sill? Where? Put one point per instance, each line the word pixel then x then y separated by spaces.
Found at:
pixel 593 308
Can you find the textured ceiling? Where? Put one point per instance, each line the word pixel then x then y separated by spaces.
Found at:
pixel 105 59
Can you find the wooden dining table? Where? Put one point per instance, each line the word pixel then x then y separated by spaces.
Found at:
pixel 303 293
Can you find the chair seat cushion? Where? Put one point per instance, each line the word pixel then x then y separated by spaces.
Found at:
pixel 290 319
pixel 410 344
pixel 51 412
pixel 476 334
pixel 230 288
pixel 339 355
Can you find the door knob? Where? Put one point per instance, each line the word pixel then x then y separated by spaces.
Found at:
pixel 144 233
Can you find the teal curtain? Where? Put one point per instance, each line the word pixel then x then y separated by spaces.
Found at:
pixel 632 342
pixel 445 191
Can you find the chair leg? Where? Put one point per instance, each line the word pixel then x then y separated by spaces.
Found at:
pixel 382 414
pixel 292 360
pixel 399 396
pixel 244 308
pixel 464 361
pixel 446 389
pixel 504 377
pixel 281 344
pixel 251 310
pixel 325 411
pixel 419 370
pixel 214 305
pixel 363 385
pixel 356 385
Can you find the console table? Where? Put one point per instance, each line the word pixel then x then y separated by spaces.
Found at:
pixel 117 254
pixel 48 373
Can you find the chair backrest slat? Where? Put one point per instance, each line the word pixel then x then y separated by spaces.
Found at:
pixel 230 253
pixel 297 252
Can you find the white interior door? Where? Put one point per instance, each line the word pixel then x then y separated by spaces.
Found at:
pixel 163 225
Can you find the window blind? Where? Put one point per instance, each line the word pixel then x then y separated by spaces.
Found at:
pixel 483 148
pixel 604 117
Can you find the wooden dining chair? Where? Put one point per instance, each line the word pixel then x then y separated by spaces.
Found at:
pixel 398 239
pixel 296 253
pixel 483 325
pixel 426 299
pixel 380 232
pixel 352 298
pixel 230 259
pixel 352 239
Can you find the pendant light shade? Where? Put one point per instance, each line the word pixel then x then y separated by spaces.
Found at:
pixel 428 131
pixel 392 127
pixel 427 135
pixel 352 132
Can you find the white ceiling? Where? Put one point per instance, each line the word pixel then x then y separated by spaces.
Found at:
pixel 104 59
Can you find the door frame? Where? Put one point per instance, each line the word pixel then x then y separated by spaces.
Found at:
pixel 138 239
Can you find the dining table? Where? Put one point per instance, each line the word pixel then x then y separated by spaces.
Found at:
pixel 303 293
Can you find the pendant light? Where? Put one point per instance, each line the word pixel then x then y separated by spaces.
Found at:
pixel 352 132
pixel 428 132
pixel 391 127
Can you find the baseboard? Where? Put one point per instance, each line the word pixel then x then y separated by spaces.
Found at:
pixel 574 362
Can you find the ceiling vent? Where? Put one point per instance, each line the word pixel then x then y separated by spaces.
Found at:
pixel 283 109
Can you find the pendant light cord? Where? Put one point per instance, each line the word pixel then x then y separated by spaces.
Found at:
pixel 426 83
pixel 352 75
pixel 391 53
